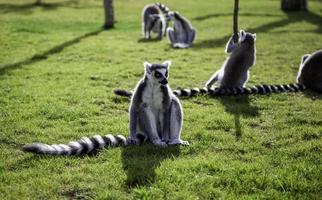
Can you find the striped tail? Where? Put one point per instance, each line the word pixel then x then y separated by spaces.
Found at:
pixel 84 146
pixel 165 10
pixel 190 92
pixel 257 89
pixel 124 93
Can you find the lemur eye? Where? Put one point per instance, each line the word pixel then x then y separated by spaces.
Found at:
pixel 157 74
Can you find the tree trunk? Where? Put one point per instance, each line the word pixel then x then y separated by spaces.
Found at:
pixel 294 5
pixel 38 2
pixel 109 14
pixel 235 23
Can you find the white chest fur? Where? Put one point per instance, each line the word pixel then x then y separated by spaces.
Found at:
pixel 152 96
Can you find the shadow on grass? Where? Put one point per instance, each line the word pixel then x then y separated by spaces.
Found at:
pixel 143 40
pixel 140 163
pixel 239 107
pixel 43 56
pixel 312 94
pixel 25 163
pixel 31 160
pixel 27 8
pixel 292 17
pixel 205 17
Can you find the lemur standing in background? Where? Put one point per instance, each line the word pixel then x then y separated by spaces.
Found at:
pixel 155 115
pixel 234 72
pixel 155 18
pixel 182 34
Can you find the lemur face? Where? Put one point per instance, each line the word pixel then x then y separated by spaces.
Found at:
pixel 173 15
pixel 158 73
pixel 246 37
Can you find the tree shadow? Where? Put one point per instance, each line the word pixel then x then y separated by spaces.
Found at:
pixel 44 55
pixel 28 8
pixel 205 17
pixel 239 107
pixel 143 40
pixel 292 17
pixel 140 163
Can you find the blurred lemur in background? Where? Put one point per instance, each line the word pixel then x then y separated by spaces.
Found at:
pixel 155 19
pixel 182 34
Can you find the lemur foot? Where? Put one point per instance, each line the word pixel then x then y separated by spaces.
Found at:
pixel 133 141
pixel 178 142
pixel 159 143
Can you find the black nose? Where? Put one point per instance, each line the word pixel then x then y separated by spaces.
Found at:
pixel 164 81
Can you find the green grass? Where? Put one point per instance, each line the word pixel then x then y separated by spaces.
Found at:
pixel 58 70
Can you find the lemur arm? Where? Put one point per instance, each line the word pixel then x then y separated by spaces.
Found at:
pixel 213 79
pixel 171 36
pixel 133 123
pixel 133 114
pixel 191 35
pixel 230 46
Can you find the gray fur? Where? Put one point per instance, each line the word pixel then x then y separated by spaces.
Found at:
pixel 154 19
pixel 235 71
pixel 154 111
pixel 310 71
pixel 182 34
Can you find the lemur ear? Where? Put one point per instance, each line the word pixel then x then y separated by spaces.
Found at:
pixel 176 14
pixel 170 13
pixel 305 57
pixel 254 36
pixel 167 63
pixel 147 67
pixel 242 35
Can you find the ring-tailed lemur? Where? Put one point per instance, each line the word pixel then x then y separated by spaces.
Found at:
pixel 182 34
pixel 234 72
pixel 310 71
pixel 155 112
pixel 155 115
pixel 155 18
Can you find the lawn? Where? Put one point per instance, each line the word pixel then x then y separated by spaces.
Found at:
pixel 58 69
